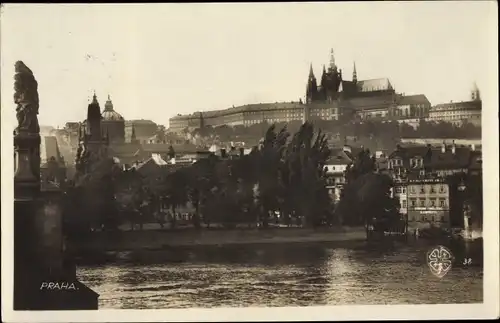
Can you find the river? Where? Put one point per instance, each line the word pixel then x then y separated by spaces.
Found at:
pixel 286 275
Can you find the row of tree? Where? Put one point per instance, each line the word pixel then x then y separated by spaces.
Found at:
pixel 284 176
pixel 387 132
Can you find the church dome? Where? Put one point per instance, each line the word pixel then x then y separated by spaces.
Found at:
pixel 109 114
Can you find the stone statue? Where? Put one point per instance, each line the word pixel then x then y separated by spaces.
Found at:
pixel 26 98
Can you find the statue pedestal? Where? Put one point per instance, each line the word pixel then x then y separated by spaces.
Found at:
pixel 43 279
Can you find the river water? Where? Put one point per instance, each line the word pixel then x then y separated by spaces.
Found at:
pixel 286 275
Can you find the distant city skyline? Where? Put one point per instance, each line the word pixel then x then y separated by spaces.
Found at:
pixel 159 60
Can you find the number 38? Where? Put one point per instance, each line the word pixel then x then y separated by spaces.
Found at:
pixel 467 261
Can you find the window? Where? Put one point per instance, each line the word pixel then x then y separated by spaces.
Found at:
pixel 442 218
pixel 403 190
pixel 412 189
pixel 432 189
pixel 432 203
pixel 404 203
pixel 442 203
pixel 422 203
pixel 413 202
pixel 441 189
pixel 422 189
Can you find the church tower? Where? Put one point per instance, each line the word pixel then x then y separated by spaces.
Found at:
pixel 93 130
pixel 332 69
pixel 354 74
pixel 323 85
pixel 133 137
pixel 333 79
pixel 475 95
pixel 94 142
pixel 312 87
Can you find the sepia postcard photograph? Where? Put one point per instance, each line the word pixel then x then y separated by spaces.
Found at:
pixel 249 161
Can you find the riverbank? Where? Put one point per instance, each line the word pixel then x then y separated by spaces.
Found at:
pixel 164 239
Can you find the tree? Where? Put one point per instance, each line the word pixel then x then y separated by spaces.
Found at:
pixel 367 200
pixel 160 133
pixel 305 158
pixel 201 181
pixel 174 191
pixel 363 164
pixel 171 152
pixel 267 169
pixel 90 201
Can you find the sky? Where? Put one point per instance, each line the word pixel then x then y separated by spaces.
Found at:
pixel 158 60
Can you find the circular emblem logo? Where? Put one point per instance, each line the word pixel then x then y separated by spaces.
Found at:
pixel 440 260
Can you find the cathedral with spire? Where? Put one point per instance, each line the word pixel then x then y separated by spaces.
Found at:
pixel 333 87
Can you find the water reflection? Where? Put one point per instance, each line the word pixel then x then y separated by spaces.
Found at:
pixel 281 275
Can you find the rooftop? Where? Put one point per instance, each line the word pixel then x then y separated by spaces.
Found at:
pixel 434 156
pixel 457 105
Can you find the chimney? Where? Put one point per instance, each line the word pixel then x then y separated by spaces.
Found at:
pixel 443 147
pixel 453 147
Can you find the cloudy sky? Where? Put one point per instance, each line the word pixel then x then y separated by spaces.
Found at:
pixel 159 60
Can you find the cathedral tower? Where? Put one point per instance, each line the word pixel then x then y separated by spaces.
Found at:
pixel 312 87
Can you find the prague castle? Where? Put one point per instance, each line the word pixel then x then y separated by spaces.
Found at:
pixel 332 98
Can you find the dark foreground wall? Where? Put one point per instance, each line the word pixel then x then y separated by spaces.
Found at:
pixel 43 278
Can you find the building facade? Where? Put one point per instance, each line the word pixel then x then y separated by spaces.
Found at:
pixel 428 203
pixel 459 113
pixel 335 168
pixel 144 129
pixel 425 182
